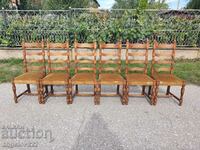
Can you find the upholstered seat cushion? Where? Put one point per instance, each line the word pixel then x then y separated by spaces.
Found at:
pixel 139 79
pixel 29 78
pixel 168 79
pixel 109 78
pixel 84 78
pixel 55 78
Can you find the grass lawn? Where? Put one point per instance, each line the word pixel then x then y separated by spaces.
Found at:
pixel 185 69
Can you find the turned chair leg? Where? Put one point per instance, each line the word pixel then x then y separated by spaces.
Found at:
pixel 124 97
pixel 96 95
pixel 70 101
pixel 68 94
pixel 168 90
pixel 182 93
pixel 28 88
pixel 156 88
pixel 42 94
pixel 127 94
pixel 14 92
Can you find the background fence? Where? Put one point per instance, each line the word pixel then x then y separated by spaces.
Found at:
pixel 100 25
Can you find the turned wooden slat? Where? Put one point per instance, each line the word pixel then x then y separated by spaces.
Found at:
pixel 34 53
pixel 84 61
pixel 163 54
pixel 137 46
pixel 35 60
pixel 110 46
pixel 58 45
pixel 59 68
pixel 85 54
pixel 137 62
pixel 32 45
pixel 110 54
pixel 58 61
pixel 58 54
pixel 164 62
pixel 110 69
pixel 136 69
pixel 85 69
pixel 110 61
pixel 136 54
pixel 165 46
pixel 85 45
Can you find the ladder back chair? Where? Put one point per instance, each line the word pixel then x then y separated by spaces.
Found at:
pixel 58 69
pixel 163 60
pixel 136 70
pixel 85 69
pixel 110 69
pixel 34 69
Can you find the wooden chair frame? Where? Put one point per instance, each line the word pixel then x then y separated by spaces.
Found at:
pixel 85 80
pixel 155 72
pixel 61 50
pixel 102 54
pixel 27 67
pixel 141 51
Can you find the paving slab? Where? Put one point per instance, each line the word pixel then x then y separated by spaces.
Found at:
pixel 84 126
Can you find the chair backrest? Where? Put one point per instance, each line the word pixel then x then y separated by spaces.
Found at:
pixel 164 57
pixel 85 56
pixel 34 57
pixel 58 57
pixel 113 61
pixel 137 57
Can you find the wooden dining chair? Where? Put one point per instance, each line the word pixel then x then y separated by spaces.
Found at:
pixel 110 69
pixel 163 60
pixel 136 70
pixel 58 70
pixel 85 69
pixel 34 69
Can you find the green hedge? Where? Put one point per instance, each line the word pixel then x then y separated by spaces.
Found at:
pixel 135 25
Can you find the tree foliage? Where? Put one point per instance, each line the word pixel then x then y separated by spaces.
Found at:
pixel 143 4
pixel 193 4
pixel 4 4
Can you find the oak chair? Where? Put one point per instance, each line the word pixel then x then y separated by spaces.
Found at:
pixel 136 70
pixel 58 70
pixel 34 69
pixel 85 69
pixel 163 60
pixel 110 70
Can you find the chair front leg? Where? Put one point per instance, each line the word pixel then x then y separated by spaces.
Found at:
pixel 96 94
pixel 124 97
pixel 42 94
pixel 14 91
pixel 70 93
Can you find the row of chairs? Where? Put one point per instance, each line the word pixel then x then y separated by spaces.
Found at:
pixel 107 72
